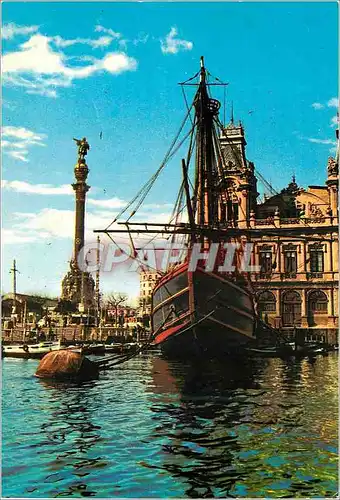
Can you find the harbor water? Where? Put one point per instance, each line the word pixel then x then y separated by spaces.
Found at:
pixel 158 428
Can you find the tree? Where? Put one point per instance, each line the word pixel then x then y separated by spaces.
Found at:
pixel 114 300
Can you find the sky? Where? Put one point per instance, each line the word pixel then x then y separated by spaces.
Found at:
pixel 110 72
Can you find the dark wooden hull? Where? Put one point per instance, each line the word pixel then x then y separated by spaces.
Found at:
pixel 200 312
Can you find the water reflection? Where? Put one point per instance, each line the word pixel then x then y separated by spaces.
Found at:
pixel 235 427
pixel 70 423
pixel 155 428
pixel 200 428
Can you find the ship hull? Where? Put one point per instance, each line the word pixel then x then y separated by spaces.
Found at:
pixel 201 313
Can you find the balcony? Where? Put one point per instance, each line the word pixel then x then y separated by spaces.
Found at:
pixel 275 221
pixel 314 275
pixel 294 221
pixel 288 275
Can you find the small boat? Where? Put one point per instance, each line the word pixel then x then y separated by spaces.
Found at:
pixel 287 350
pixel 109 348
pixel 35 351
pixel 309 351
pixel 74 348
pixel 271 352
pixel 93 349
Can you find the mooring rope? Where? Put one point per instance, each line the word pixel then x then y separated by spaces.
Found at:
pixel 122 358
pixel 107 364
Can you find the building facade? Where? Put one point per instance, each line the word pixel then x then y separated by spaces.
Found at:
pixel 147 282
pixel 295 242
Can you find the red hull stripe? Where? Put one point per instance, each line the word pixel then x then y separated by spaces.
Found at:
pixel 170 331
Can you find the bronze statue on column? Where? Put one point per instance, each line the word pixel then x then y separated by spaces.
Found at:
pixel 78 286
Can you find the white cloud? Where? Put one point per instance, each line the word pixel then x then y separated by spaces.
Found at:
pixel 333 103
pixel 109 203
pixel 50 222
pixel 317 105
pixel 19 145
pixel 141 38
pixel 19 139
pixel 335 121
pixel 108 31
pixel 321 141
pixel 103 41
pixel 10 30
pixel 43 189
pixel 22 133
pixel 53 223
pixel 172 45
pixel 56 224
pixel 19 155
pixel 117 62
pixel 40 69
pixel 13 237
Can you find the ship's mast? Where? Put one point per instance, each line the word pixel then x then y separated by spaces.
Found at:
pixel 206 109
pixel 14 271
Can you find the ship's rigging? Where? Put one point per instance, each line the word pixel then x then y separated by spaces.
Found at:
pixel 195 215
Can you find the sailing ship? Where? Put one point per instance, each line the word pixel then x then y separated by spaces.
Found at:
pixel 200 308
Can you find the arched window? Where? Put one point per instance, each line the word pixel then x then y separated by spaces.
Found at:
pixel 318 302
pixel 266 302
pixel 291 309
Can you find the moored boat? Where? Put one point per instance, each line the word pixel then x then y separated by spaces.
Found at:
pixel 202 307
pixel 35 351
pixel 201 312
pixel 203 303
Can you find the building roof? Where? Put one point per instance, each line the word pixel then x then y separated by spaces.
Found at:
pixel 31 299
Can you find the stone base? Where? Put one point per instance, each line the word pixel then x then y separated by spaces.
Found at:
pixel 78 285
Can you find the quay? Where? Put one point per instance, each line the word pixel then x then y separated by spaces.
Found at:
pixel 73 334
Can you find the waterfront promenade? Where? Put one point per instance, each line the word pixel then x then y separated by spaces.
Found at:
pixel 73 333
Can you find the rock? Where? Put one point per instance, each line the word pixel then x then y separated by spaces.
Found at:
pixel 66 365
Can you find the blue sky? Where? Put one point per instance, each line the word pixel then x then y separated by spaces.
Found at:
pixel 109 71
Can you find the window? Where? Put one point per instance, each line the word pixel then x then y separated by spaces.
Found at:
pixel 290 260
pixel 318 302
pixel 266 302
pixel 232 211
pixel 316 260
pixel 266 261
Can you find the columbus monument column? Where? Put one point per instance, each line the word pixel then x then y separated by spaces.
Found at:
pixel 80 187
pixel 77 285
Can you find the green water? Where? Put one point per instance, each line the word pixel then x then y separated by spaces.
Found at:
pixel 155 428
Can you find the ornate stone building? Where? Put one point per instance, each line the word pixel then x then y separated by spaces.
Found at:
pixel 78 286
pixel 295 236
